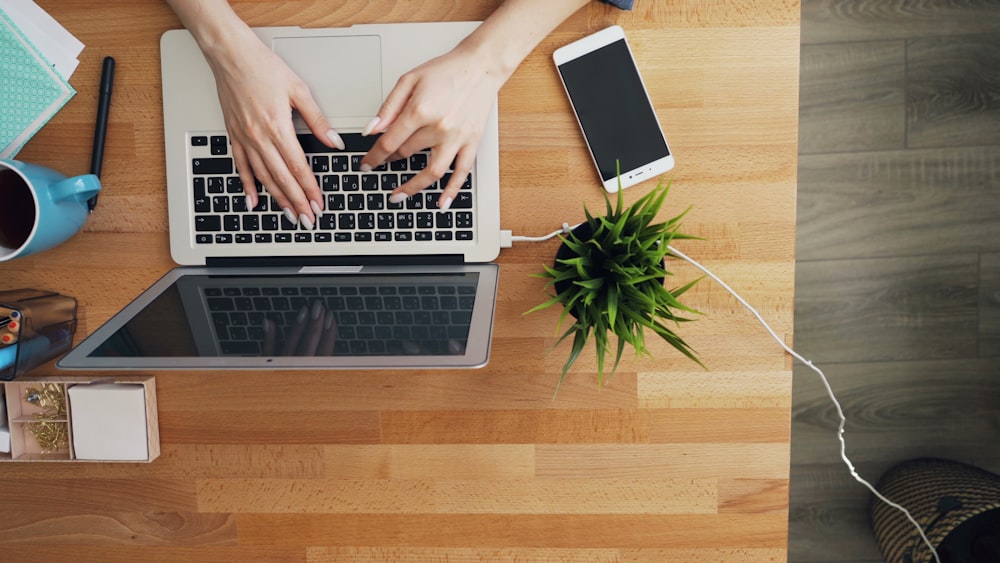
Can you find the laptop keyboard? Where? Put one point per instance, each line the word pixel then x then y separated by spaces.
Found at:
pixel 422 318
pixel 357 204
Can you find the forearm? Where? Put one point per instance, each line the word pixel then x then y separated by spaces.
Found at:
pixel 214 25
pixel 515 29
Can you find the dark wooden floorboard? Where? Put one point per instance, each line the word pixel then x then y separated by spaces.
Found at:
pixel 898 279
pixel 852 97
pixel 835 21
pixel 953 90
pixel 989 306
pixel 879 309
pixel 899 203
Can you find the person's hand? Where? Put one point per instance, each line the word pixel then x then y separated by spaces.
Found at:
pixel 313 334
pixel 257 92
pixel 442 105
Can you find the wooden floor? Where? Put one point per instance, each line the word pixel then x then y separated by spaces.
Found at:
pixel 898 272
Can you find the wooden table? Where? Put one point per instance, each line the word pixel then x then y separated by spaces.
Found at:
pixel 668 462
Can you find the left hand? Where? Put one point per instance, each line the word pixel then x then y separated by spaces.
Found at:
pixel 442 105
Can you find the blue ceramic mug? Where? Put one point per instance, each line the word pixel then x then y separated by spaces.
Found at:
pixel 39 207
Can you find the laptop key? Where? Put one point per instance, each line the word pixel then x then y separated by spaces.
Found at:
pixel 345 221
pixel 331 183
pixel 338 163
pixel 321 164
pixel 220 204
pixel 202 205
pixel 463 200
pixel 443 220
pixel 375 202
pixel 336 202
pixel 202 166
pixel 418 161
pixel 208 223
pixel 216 185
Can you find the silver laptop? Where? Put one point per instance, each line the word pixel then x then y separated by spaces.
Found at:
pixel 374 285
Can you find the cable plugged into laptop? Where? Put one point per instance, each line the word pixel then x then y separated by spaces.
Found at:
pixel 507 239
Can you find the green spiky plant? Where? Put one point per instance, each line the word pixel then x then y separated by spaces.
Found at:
pixel 609 276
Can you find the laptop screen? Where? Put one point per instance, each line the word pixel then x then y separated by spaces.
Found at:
pixel 398 318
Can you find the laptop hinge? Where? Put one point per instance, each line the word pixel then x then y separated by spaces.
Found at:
pixel 299 261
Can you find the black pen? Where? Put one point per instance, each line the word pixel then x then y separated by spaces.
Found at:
pixel 101 128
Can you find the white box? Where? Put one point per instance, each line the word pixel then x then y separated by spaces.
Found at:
pixel 108 421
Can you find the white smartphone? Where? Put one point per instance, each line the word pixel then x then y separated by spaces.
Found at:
pixel 613 108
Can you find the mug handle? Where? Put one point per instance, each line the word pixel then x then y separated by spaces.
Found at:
pixel 78 188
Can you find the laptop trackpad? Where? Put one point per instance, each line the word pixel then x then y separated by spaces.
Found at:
pixel 344 73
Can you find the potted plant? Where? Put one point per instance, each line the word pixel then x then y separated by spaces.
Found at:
pixel 609 275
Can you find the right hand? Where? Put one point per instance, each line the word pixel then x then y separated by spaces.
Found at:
pixel 257 92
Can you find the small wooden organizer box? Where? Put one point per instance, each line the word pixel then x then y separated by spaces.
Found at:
pixel 21 415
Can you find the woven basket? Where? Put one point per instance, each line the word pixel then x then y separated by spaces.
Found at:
pixel 939 494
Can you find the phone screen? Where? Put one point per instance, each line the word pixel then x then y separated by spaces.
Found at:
pixel 614 111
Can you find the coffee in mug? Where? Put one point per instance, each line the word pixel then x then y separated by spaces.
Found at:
pixel 39 207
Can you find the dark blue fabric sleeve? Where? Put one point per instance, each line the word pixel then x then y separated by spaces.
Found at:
pixel 623 4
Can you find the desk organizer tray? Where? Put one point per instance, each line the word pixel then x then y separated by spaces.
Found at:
pixel 111 419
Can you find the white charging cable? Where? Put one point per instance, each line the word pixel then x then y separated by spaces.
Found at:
pixel 509 238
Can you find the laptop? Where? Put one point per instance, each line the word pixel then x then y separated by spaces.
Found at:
pixel 374 285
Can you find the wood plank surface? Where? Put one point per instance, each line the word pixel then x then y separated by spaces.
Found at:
pixel 667 462
pixel 897 275
pixel 952 90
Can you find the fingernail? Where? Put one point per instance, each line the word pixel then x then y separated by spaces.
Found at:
pixel 302 314
pixel 329 321
pixel 290 215
pixel 371 126
pixel 444 203
pixel 315 207
pixel 399 197
pixel 335 139
pixel 365 167
pixel 304 219
pixel 248 201
pixel 317 310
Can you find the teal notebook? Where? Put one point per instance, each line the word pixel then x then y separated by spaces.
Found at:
pixel 31 90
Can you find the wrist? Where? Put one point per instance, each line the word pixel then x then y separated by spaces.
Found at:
pixel 214 25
